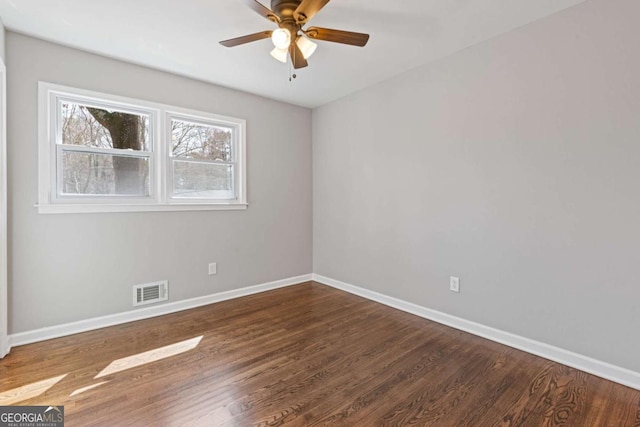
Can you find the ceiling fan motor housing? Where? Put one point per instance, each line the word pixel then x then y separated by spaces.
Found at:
pixel 285 8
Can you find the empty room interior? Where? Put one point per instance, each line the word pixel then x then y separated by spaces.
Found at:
pixel 314 212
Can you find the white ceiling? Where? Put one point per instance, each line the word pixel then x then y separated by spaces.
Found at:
pixel 182 37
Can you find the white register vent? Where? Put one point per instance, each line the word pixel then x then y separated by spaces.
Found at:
pixel 151 292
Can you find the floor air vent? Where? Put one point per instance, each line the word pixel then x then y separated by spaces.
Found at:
pixel 151 292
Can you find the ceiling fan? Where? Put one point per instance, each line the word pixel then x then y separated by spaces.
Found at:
pixel 290 39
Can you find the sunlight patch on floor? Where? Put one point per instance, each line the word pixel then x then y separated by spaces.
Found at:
pixel 28 391
pixel 149 356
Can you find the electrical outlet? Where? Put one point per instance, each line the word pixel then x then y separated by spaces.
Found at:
pixel 454 284
pixel 213 268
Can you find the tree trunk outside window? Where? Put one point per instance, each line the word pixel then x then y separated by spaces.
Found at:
pixel 125 135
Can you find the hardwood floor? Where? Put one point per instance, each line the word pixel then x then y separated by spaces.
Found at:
pixel 306 355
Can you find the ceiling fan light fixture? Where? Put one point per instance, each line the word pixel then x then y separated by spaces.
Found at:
pixel 291 39
pixel 280 54
pixel 307 47
pixel 281 38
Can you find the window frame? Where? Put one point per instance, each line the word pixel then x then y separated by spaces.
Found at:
pixel 160 198
pixel 55 140
pixel 206 120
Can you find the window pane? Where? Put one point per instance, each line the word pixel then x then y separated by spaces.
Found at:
pixel 103 128
pixel 201 142
pixel 202 180
pixel 92 173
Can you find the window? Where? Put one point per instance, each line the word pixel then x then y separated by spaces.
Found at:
pixel 202 160
pixel 101 150
pixel 103 153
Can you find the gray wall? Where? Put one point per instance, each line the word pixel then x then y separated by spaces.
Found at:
pixel 513 165
pixel 64 268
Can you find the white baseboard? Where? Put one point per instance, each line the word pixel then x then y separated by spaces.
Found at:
pixel 596 367
pixel 145 313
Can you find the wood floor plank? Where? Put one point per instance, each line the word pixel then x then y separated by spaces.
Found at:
pixel 439 402
pixel 305 355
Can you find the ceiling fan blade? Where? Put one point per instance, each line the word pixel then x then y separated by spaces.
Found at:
pixel 307 9
pixel 246 39
pixel 337 36
pixel 296 57
pixel 257 7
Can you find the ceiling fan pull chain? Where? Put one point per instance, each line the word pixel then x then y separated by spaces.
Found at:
pixel 292 74
pixel 290 70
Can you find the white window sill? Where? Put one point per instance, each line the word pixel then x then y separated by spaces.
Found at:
pixel 88 208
